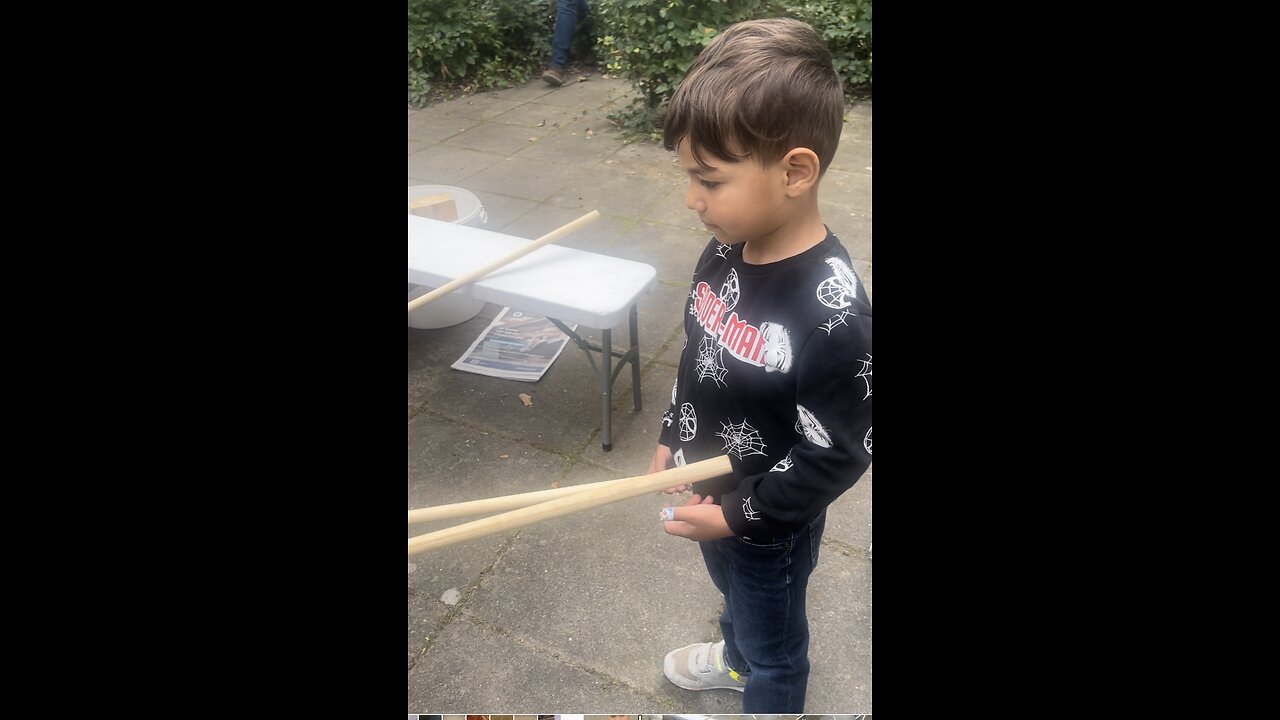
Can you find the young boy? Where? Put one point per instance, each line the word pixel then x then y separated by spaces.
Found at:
pixel 776 368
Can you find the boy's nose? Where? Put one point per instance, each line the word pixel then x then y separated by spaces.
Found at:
pixel 693 199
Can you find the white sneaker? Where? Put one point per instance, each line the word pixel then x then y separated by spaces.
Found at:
pixel 701 666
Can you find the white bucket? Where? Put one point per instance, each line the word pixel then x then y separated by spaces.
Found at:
pixel 453 308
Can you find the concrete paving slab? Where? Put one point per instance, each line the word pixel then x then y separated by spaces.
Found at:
pixel 609 190
pixel 542 219
pixel 517 177
pixel 583 94
pixel 528 92
pixel 849 517
pixel 503 210
pixel 538 118
pixel 853 155
pixel 431 352
pixel 652 161
pixel 670 356
pixel 444 467
pixel 566 403
pixel 569 148
pixel 600 236
pixel 481 106
pixel 853 228
pixel 671 210
pixel 435 124
pixel 416 145
pixel 839 610
pixel 474 666
pixel 448 165
pixel 493 137
pixel 852 189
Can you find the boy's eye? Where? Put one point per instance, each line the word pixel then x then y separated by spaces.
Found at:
pixel 708 184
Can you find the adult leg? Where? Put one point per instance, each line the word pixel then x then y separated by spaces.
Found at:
pixel 568 14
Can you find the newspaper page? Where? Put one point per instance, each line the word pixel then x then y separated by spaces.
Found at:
pixel 517 346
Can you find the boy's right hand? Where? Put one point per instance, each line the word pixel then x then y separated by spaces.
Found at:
pixel 663 460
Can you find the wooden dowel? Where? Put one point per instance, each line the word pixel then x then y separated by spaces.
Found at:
pixel 576 502
pixel 500 504
pixel 511 257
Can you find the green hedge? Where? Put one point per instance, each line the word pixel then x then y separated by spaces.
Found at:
pixel 486 43
pixel 652 44
pixel 490 43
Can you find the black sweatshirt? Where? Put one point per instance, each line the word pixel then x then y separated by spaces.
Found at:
pixel 776 373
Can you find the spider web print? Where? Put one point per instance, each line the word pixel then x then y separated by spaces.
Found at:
pixel 740 440
pixel 866 441
pixel 722 250
pixel 668 418
pixel 836 291
pixel 836 321
pixel 865 374
pixel 729 290
pixel 688 423
pixel 749 512
pixel 711 362
pixel 784 464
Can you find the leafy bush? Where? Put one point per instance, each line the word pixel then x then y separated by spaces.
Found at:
pixel 652 44
pixel 484 42
pixel 845 26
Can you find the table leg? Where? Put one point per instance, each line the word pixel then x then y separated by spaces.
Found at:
pixel 606 380
pixel 635 359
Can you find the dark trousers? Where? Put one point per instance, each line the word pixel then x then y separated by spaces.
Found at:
pixel 568 14
pixel 766 633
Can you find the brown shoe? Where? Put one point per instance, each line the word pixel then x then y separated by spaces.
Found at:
pixel 554 76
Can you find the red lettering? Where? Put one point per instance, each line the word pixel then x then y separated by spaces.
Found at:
pixel 742 347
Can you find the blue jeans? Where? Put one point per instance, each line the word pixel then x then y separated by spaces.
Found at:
pixel 568 14
pixel 766 633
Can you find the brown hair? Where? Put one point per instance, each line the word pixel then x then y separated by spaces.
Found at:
pixel 758 90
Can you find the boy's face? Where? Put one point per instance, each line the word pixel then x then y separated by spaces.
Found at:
pixel 737 201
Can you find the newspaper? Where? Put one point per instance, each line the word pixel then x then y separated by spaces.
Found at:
pixel 517 346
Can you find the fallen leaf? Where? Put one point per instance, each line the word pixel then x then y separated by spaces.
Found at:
pixel 544 122
pixel 526 399
pixel 533 139
pixel 503 456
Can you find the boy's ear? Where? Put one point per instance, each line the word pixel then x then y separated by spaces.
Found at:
pixel 802 166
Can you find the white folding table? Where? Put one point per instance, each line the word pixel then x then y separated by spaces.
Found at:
pixel 568 286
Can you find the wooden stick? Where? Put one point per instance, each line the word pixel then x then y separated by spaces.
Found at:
pixel 500 504
pixel 585 500
pixel 474 275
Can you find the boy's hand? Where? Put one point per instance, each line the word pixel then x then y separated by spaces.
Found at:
pixel 663 460
pixel 699 519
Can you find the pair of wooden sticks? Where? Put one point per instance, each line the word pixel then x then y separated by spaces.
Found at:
pixel 534 507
